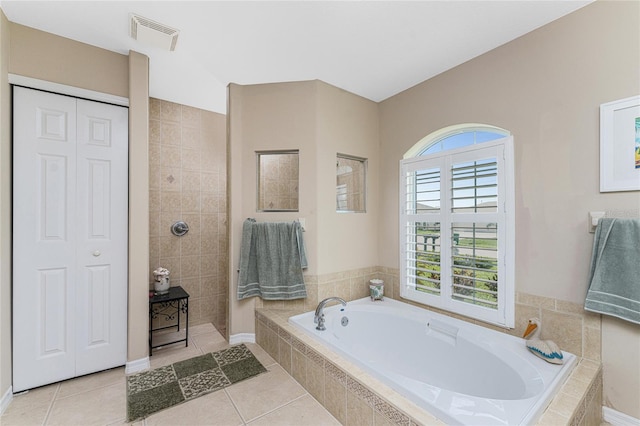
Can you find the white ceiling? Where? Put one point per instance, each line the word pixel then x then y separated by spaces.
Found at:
pixel 372 48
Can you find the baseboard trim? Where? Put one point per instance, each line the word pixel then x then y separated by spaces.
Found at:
pixel 137 365
pixel 6 399
pixel 616 418
pixel 242 338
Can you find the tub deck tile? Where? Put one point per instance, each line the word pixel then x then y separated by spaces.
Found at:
pixel 551 417
pixel 387 406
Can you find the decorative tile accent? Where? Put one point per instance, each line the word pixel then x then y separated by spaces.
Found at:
pixel 391 413
pixel 361 391
pixel 593 390
pixel 284 335
pixel 297 344
pixel 315 357
pixel 335 372
pixel 272 325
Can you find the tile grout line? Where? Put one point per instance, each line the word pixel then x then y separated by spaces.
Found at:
pixel 235 407
pixel 53 400
pixel 105 385
pixel 279 407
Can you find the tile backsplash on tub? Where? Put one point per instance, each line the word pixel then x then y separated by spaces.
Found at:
pixel 568 324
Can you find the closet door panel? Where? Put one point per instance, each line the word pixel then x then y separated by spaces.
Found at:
pixel 97 293
pixel 52 196
pixel 70 218
pixel 51 303
pixel 102 236
pixel 44 238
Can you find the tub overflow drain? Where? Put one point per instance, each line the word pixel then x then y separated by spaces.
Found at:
pixel 344 321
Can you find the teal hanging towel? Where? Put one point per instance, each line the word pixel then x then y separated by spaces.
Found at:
pixel 615 270
pixel 272 257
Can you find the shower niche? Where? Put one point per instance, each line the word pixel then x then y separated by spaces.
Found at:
pixel 351 180
pixel 278 182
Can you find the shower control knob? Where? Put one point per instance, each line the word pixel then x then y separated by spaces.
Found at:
pixel 179 228
pixel 96 253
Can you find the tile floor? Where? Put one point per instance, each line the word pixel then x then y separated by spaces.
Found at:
pixel 273 398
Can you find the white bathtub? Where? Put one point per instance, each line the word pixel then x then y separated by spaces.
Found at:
pixel 459 372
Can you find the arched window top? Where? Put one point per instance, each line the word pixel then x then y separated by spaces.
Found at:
pixel 456 136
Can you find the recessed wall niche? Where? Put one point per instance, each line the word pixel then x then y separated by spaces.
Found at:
pixel 277 181
pixel 351 183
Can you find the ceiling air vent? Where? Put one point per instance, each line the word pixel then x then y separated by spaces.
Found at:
pixel 153 33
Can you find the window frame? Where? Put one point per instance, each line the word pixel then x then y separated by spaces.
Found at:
pixel 502 149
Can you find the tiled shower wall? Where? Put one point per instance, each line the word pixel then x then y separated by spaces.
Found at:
pixel 187 182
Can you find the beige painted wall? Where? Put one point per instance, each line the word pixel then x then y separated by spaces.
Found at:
pixel 240 319
pixel 44 56
pixel 319 120
pixel 138 309
pixel 346 124
pixel 5 208
pixel 261 118
pixel 546 88
pixel 49 57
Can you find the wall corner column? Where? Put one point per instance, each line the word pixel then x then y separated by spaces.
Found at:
pixel 138 306
pixel 241 312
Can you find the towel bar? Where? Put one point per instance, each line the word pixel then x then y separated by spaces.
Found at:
pixel 594 217
pixel 620 214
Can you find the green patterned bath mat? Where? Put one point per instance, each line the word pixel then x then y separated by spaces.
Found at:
pixel 151 391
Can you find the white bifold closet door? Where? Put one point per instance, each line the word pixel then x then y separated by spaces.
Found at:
pixel 70 216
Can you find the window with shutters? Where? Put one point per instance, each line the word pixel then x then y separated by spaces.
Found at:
pixel 457 223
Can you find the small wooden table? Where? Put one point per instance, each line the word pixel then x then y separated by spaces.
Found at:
pixel 169 306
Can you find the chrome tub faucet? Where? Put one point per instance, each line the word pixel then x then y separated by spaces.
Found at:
pixel 319 316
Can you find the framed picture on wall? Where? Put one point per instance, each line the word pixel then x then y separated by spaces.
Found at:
pixel 620 145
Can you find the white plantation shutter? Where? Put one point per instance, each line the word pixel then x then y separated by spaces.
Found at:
pixel 456 228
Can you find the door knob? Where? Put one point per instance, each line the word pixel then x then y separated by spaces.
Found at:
pixel 96 253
